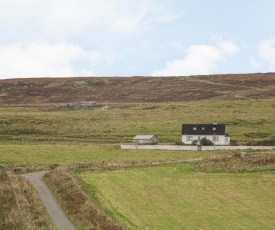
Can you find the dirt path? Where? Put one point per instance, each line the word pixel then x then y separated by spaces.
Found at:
pixel 53 208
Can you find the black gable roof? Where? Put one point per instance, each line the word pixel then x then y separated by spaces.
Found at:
pixel 203 129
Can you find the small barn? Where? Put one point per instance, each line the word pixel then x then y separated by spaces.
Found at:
pixel 145 139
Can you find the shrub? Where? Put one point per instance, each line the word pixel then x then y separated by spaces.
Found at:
pixel 179 143
pixel 205 141
pixel 195 142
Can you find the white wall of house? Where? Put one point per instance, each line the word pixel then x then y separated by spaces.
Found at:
pixel 218 139
pixel 195 148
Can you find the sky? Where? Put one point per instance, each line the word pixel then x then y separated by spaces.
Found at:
pixel 82 38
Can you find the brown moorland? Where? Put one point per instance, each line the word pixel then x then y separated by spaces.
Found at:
pixel 38 91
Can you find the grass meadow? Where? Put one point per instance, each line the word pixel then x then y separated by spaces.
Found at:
pixel 177 197
pixel 43 156
pixel 30 137
pixel 246 120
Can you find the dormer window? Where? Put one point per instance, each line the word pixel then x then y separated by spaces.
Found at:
pixel 214 128
pixel 194 128
pixel 202 128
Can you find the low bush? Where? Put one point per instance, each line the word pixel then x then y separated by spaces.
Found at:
pixel 195 142
pixel 179 143
pixel 205 141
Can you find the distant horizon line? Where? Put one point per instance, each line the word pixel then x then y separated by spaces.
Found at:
pixel 132 76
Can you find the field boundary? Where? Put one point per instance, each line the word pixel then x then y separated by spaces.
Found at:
pixel 193 147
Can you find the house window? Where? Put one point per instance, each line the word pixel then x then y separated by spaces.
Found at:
pixel 215 138
pixel 189 138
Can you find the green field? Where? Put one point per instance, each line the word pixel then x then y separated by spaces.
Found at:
pixel 177 197
pixel 29 137
pixel 43 155
pixel 248 121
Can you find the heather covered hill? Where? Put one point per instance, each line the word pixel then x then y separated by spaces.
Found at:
pixel 38 91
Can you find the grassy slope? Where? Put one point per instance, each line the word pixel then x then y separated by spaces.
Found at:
pixel 248 121
pixel 20 206
pixel 251 120
pixel 173 197
pixel 77 205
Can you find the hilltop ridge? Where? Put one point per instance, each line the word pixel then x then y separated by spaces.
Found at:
pixel 39 91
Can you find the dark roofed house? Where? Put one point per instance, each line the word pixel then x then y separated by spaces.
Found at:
pixel 145 139
pixel 214 132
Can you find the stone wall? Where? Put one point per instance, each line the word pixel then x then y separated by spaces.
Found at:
pixel 193 147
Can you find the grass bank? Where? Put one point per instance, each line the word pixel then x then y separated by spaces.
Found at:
pixel 82 211
pixel 20 206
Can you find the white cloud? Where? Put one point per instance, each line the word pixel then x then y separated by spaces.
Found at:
pixel 38 59
pixel 70 17
pixel 47 38
pixel 266 54
pixel 64 19
pixel 199 59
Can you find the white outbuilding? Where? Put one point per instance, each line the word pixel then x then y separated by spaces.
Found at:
pixel 145 139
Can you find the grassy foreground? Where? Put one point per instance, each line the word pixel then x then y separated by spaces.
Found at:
pixel 177 197
pixel 20 206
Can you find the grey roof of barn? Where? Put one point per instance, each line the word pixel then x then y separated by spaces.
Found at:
pixel 203 129
pixel 143 137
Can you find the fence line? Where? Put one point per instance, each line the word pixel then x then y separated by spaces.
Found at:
pixel 193 147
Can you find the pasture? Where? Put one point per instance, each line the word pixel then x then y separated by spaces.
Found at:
pixel 44 155
pixel 30 137
pixel 180 197
pixel 250 121
pixel 175 196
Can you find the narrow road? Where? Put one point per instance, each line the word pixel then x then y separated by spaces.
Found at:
pixel 53 208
